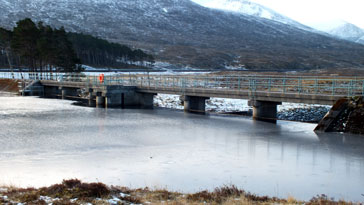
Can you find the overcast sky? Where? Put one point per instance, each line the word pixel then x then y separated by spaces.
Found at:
pixel 311 12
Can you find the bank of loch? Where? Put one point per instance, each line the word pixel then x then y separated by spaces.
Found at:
pixel 74 191
pixel 8 85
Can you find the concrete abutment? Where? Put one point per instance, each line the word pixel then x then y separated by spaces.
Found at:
pixel 107 96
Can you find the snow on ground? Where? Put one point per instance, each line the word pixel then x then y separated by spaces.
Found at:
pixel 89 68
pixel 218 105
pixel 221 105
pixel 168 101
pixel 286 111
pixel 238 67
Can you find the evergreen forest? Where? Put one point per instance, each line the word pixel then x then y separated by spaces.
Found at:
pixel 37 47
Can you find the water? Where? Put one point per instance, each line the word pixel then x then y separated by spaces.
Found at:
pixel 43 141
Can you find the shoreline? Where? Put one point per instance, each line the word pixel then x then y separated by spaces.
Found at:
pixel 73 191
pixel 9 85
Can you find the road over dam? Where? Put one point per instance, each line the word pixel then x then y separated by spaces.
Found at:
pixel 263 92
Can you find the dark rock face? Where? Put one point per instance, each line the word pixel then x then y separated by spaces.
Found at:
pixel 355 121
pixel 184 33
pixel 347 115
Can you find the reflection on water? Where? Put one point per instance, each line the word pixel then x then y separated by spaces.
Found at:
pixel 43 141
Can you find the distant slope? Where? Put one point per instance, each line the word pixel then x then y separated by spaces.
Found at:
pixel 254 9
pixel 360 40
pixel 186 34
pixel 349 32
pixel 344 30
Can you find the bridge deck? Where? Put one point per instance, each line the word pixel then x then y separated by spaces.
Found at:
pixel 311 90
pixel 246 94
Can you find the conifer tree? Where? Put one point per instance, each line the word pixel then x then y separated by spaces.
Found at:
pixel 5 45
pixel 42 48
pixel 24 42
pixel 66 59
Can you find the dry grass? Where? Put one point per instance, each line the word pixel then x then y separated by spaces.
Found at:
pixel 74 191
pixel 9 85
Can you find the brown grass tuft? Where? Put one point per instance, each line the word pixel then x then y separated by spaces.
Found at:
pixel 71 183
pixel 97 190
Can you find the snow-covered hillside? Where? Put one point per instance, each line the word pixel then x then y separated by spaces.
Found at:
pixel 348 31
pixel 360 40
pixel 185 34
pixel 343 30
pixel 254 9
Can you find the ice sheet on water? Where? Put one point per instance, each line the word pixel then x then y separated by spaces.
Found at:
pixel 28 105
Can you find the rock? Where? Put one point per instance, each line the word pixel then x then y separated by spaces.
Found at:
pixel 345 116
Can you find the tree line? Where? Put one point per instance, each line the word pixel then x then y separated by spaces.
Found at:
pixel 98 52
pixel 37 47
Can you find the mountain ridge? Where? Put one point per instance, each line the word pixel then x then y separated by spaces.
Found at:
pixel 184 33
pixel 349 32
pixel 344 30
pixel 254 9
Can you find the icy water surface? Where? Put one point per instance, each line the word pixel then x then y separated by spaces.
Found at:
pixel 43 141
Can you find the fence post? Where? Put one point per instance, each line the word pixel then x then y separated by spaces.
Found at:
pixel 350 91
pixel 239 83
pixel 333 86
pixel 284 85
pixel 300 85
pixel 316 86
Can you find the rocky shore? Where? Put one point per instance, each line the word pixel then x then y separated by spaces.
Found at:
pixel 305 113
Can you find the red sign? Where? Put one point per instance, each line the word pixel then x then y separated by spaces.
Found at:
pixel 101 78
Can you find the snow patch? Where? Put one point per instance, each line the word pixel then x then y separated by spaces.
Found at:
pixel 124 195
pixel 114 200
pixel 237 67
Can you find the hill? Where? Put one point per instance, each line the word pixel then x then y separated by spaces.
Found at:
pixel 184 33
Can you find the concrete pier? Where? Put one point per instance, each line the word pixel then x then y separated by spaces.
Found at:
pixel 113 100
pixel 195 104
pixel 51 92
pixel 100 101
pixel 146 100
pixel 69 93
pixel 135 99
pixel 91 101
pixel 264 110
pixel 63 93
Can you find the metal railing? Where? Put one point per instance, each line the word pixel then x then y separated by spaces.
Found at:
pixel 321 85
